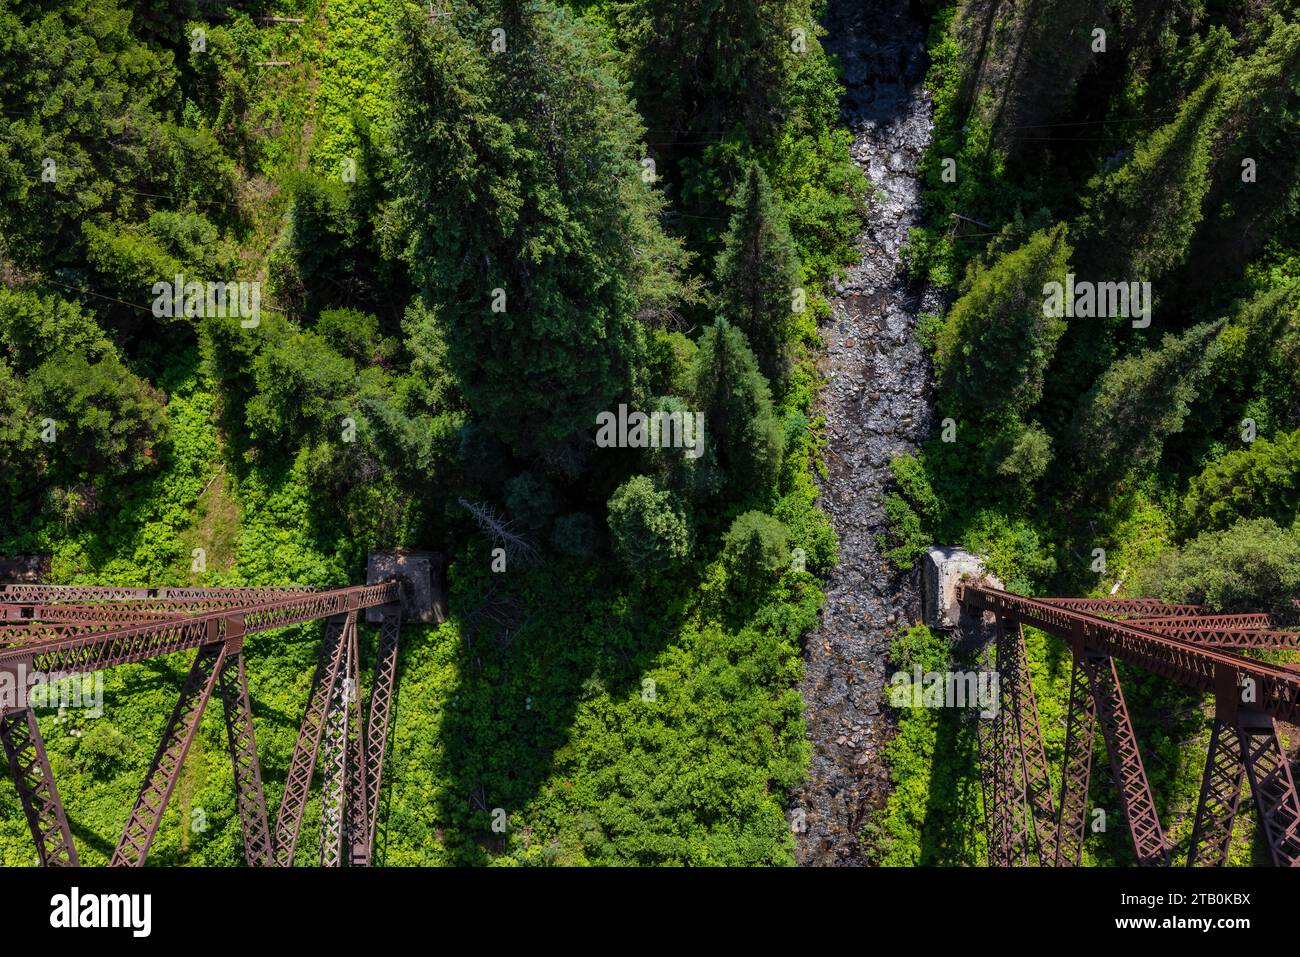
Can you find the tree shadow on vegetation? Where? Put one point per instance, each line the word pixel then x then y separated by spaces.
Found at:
pixel 950 832
pixel 528 657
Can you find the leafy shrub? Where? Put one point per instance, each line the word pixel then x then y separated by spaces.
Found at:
pixel 355 334
pixel 1254 565
pixel 1029 455
pixel 755 549
pixel 919 646
pixel 108 420
pixel 1262 481
pixel 911 513
pixel 103 748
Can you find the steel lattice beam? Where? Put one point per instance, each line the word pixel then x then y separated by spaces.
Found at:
pixel 1124 607
pixel 142 824
pixel 1216 810
pixel 1016 684
pixel 124 610
pixel 249 794
pixel 1222 631
pixel 75 629
pixel 77 653
pixel 985 745
pixel 1175 641
pixel 303 764
pixel 1006 808
pixel 357 837
pixel 334 763
pixel 1249 621
pixel 48 594
pixel 1076 772
pixel 1272 786
pixel 1136 800
pixel 30 768
pixel 98 613
pixel 383 686
pixel 1277 687
pixel 26 635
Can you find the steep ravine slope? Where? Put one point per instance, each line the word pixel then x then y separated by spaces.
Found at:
pixel 876 405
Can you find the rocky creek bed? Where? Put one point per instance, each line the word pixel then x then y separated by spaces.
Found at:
pixel 876 405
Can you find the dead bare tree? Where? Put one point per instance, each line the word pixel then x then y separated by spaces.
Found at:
pixel 502 533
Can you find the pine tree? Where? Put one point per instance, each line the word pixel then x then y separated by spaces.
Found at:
pixel 108 421
pixel 1122 423
pixel 1140 219
pixel 1256 176
pixel 21 454
pixel 81 92
pixel 996 343
pixel 757 273
pixel 711 64
pixel 522 196
pixel 60 366
pixel 648 530
pixel 743 440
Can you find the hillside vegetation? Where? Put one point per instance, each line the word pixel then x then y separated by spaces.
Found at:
pixel 1142 447
pixel 473 234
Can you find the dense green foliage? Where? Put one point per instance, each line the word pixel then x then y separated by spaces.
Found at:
pixel 648 532
pixel 1262 480
pixel 538 287
pixel 465 255
pixel 996 342
pixel 1146 447
pixel 755 548
pixel 1251 566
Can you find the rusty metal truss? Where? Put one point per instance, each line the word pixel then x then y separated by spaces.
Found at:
pixel 1224 631
pixel 68 630
pixel 1124 607
pixel 1184 643
pixel 30 769
pixel 1022 743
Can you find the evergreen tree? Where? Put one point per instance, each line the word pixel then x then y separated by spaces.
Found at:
pixel 757 273
pixel 108 421
pixel 755 550
pixel 1261 481
pixel 301 388
pixel 1023 454
pixel 521 190
pixel 649 532
pixel 1141 217
pixel 1122 423
pixel 80 91
pixel 743 440
pixel 997 341
pixel 1256 372
pixel 1256 176
pixel 35 326
pixel 21 454
pixel 711 64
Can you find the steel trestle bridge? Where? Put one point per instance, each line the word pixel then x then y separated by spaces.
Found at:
pixel 1030 823
pixel 69 630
